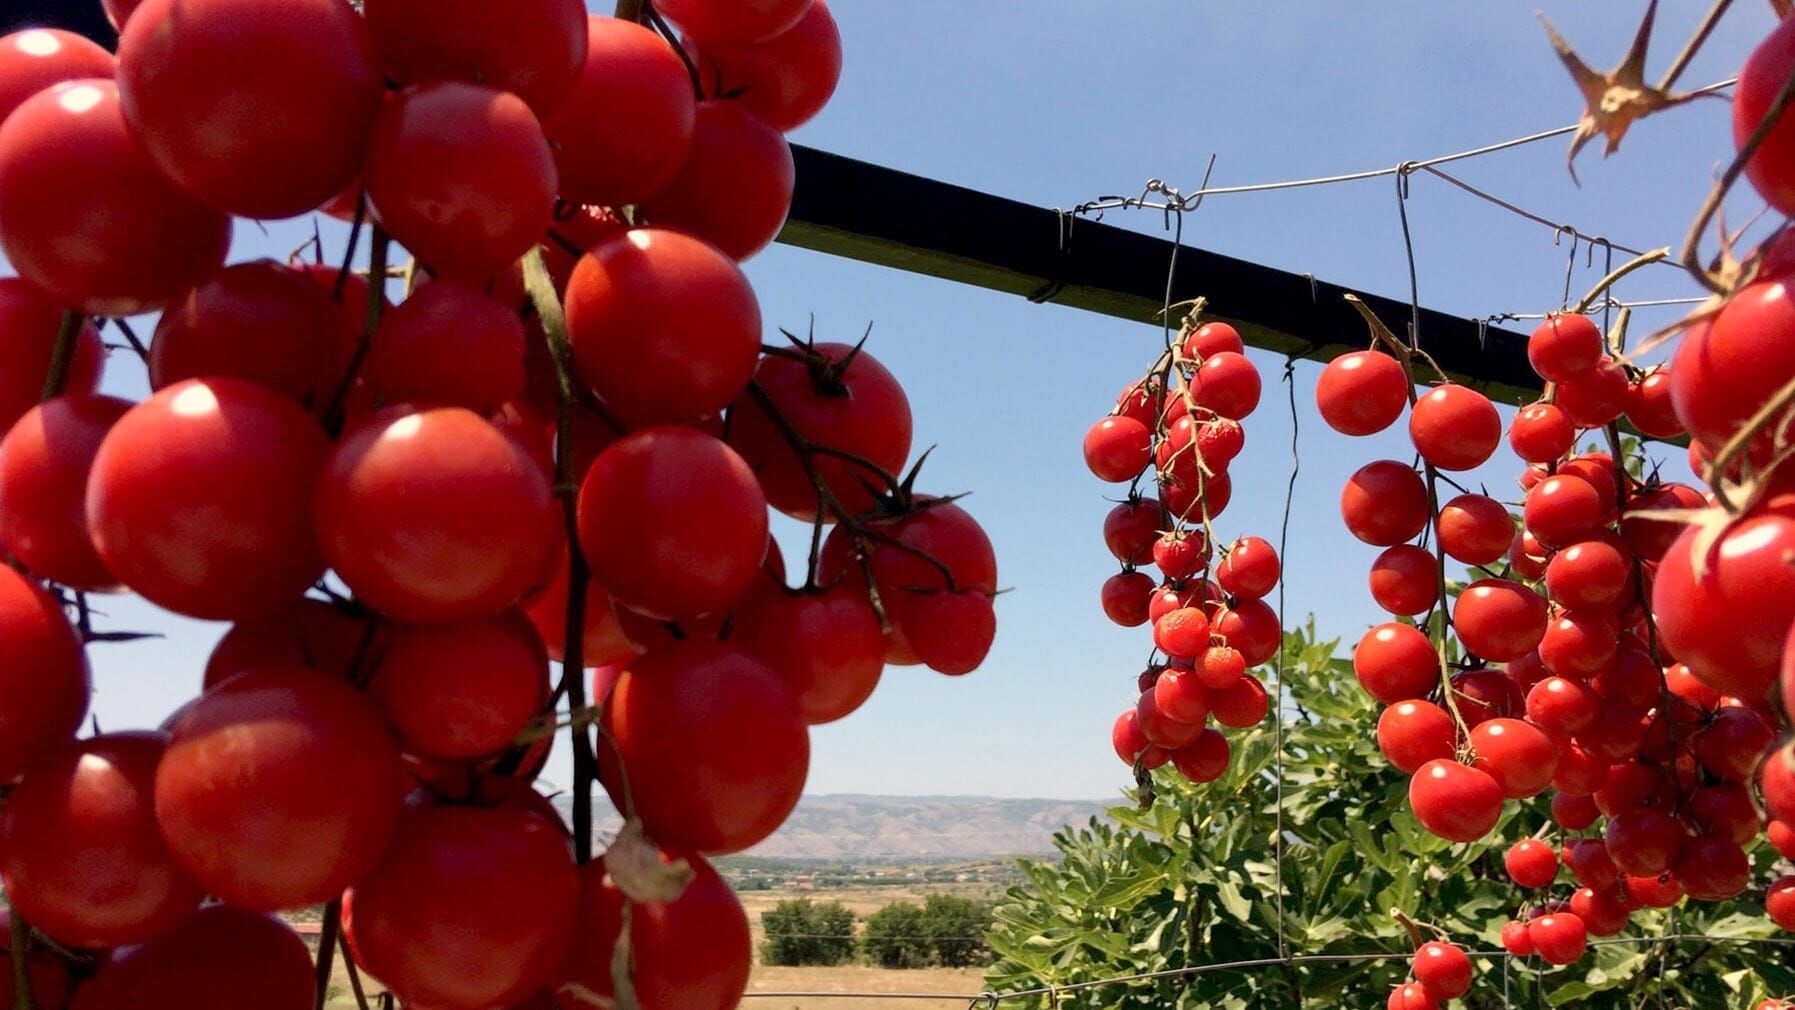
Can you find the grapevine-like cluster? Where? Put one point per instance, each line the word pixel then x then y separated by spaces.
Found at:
pixel 566 441
pixel 1181 423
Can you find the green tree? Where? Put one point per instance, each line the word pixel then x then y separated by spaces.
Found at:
pixel 1193 881
pixel 897 936
pixel 801 932
pixel 956 929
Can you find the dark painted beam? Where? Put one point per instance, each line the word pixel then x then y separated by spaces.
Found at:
pixel 894 219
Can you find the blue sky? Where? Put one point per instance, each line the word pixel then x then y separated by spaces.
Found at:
pixel 1058 101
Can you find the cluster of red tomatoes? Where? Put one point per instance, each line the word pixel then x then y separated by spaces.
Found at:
pixel 575 327
pixel 1210 621
pixel 1595 594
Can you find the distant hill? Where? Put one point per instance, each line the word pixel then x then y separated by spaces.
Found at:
pixel 852 827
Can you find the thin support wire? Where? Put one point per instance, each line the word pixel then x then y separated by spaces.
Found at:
pixel 1296 466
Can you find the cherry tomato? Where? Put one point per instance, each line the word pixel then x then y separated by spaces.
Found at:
pixel 1565 347
pixel 1385 503
pixel 735 187
pixel 1456 803
pixel 280 787
pixel 1499 619
pixel 627 127
pixel 220 958
pixel 463 690
pixel 1725 371
pixel 241 457
pixel 252 108
pixel 664 327
pixel 713 745
pixel 44 680
pixel 1395 663
pixel 307 632
pixel 787 79
pixel 435 516
pixel 1729 623
pixel 1772 167
pixel 1455 428
pixel 603 642
pixel 1412 733
pixel 1531 863
pixel 1649 405
pixel 462 176
pixel 1560 938
pixel 531 48
pixel 735 22
pixel 827 645
pixel 81 853
pixel 1541 433
pixel 1443 970
pixel 1475 529
pixel 85 216
pixel 1117 449
pixel 447 344
pixel 36 58
pixel 1517 754
pixel 44 464
pixel 1362 393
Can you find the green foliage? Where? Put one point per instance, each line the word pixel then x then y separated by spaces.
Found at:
pixel 1192 881
pixel 956 928
pixel 897 936
pixel 801 932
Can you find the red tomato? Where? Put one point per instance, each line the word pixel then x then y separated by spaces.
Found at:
pixel 240 456
pixel 1651 538
pixel 44 463
pixel 1729 624
pixel 735 187
pixel 1456 803
pixel 1251 627
pixel 1242 704
pixel 1362 393
pixel 1443 970
pixel 1250 570
pixel 673 523
pixel 1385 503
pixel 1560 938
pixel 712 743
pixel 1486 694
pixel 1649 405
pixel 1596 397
pixel 1411 996
pixel 1517 754
pixel 1563 509
pixel 627 127
pixel 469 907
pixel 36 58
pixel 435 516
pixel 785 80
pixel 301 347
pixel 1475 529
pixel 462 176
pixel 1117 449
pixel 1405 580
pixel 220 958
pixel 44 681
pixel 1779 903
pixel 1412 733
pixel 1712 869
pixel 1725 371
pixel 252 108
pixel 1541 433
pixel 279 789
pixel 448 344
pixel 1455 428
pixel 1125 598
pixel 735 22
pixel 1395 663
pixel 1565 347
pixel 1226 383
pixel 843 398
pixel 80 850
pixel 1211 339
pixel 307 632
pixel 67 156
pixel 1580 644
pixel 29 322
pixel 463 690
pixel 1643 842
pixel 1206 759
pixel 1772 167
pixel 603 641
pixel 1531 863
pixel 665 329
pixel 691 953
pixel 1562 706
pixel 531 48
pixel 1590 575
pixel 1499 619
pixel 827 646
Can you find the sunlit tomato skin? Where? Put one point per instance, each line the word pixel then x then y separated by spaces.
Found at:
pixel 67 156
pixel 1443 969
pixel 239 455
pixel 713 744
pixel 80 851
pixel 1226 383
pixel 1126 597
pixel 1412 733
pixel 1651 538
pixel 447 344
pixel 1251 568
pixel 1454 427
pixel 44 680
pixel 1531 863
pixel 1499 620
pixel 29 321
pixel 735 188
pixel 1595 397
pixel 1362 393
pixel 1564 347
pixel 462 176
pixel 664 327
pixel 673 522
pixel 469 907
pixel 691 953
pixel 306 632
pixel 533 49
pixel 1517 754
pixel 44 464
pixel 1729 624
pixel 1403 580
pixel 626 128
pixel 434 516
pixel 1772 166
pixel 1475 529
pixel 826 645
pixel 1540 433
pixel 1725 371
pixel 1563 509
pixel 735 22
pixel 1395 663
pixel 603 640
pixel 1649 405
pixel 1117 449
pixel 36 58
pixel 1560 938
pixel 1456 803
pixel 280 787
pixel 844 399
pixel 220 958
pixel 255 109
pixel 462 690
pixel 787 79
pixel 1385 503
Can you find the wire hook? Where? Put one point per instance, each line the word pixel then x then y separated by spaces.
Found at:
pixel 986 1000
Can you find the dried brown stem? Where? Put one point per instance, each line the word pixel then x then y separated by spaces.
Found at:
pixel 1736 447
pixel 1615 275
pixel 1691 258
pixel 1696 41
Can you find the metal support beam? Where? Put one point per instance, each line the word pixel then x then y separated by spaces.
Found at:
pixel 894 219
